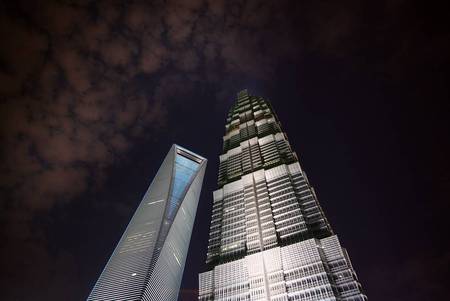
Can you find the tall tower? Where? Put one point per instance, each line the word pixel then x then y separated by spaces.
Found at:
pixel 148 261
pixel 269 238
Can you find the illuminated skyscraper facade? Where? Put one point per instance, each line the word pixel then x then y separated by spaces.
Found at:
pixel 269 238
pixel 148 262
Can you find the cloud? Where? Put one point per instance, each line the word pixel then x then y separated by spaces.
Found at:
pixel 61 183
pixel 75 70
pixel 187 60
pixel 153 55
pixel 68 71
pixel 118 52
pixel 23 55
pixel 180 18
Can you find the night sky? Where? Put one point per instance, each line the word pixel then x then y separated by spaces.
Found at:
pixel 94 93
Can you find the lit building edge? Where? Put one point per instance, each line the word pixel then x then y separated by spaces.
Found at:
pixel 148 262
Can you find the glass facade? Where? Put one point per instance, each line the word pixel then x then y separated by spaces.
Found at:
pixel 269 237
pixel 185 169
pixel 148 261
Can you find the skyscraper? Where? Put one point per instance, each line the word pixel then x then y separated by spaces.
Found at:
pixel 269 238
pixel 148 261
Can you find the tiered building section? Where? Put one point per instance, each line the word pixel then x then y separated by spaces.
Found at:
pixel 269 238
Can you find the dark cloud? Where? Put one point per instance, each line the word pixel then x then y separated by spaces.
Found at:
pixel 81 83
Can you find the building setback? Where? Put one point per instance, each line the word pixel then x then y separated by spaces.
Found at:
pixel 269 238
pixel 148 261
